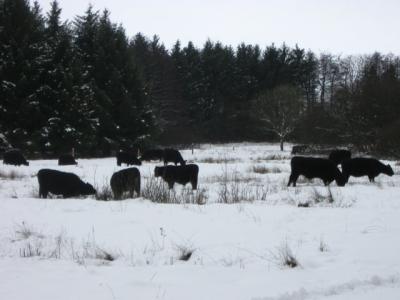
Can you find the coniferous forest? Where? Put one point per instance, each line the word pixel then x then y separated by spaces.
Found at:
pixel 85 84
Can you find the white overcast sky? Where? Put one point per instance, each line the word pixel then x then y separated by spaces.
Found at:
pixel 336 26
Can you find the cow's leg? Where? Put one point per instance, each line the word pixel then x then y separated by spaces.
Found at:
pixel 293 179
pixel 290 179
pixel 371 178
pixel 345 176
pixel 194 184
pixel 43 193
pixel 137 186
pixel 171 184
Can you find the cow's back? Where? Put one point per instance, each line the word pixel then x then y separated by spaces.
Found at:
pixel 312 167
pixel 339 155
pixel 14 157
pixel 58 182
pixel 361 166
pixel 172 155
pixel 66 159
pixel 125 180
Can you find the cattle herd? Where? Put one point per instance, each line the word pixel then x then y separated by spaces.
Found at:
pixel 128 180
pixel 327 168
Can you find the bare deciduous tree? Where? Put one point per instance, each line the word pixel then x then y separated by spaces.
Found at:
pixel 279 109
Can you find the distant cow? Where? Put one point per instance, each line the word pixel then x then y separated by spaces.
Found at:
pixel 14 157
pixel 362 166
pixel 62 183
pixel 312 167
pixel 339 155
pixel 173 155
pixel 152 154
pixel 180 174
pixel 298 149
pixel 66 159
pixel 127 180
pixel 127 158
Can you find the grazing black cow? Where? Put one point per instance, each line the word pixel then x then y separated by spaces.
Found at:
pixel 339 155
pixel 62 183
pixel 66 159
pixel 152 154
pixel 180 174
pixel 127 180
pixel 298 149
pixel 173 155
pixel 312 167
pixel 127 158
pixel 14 157
pixel 362 166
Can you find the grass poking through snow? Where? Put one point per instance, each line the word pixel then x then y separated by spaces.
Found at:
pixel 11 175
pixel 262 169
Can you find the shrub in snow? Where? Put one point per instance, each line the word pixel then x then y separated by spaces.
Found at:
pixel 323 247
pixel 318 197
pixel 104 193
pixel 157 191
pixel 217 160
pixel 284 256
pixel 30 250
pixel 24 232
pixel 262 169
pixel 184 252
pixel 11 175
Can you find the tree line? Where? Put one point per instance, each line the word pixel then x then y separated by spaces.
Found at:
pixel 86 84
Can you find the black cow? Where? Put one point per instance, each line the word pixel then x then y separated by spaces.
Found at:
pixel 152 154
pixel 66 159
pixel 296 149
pixel 127 158
pixel 339 155
pixel 173 155
pixel 362 166
pixel 62 183
pixel 127 180
pixel 14 157
pixel 180 174
pixel 312 167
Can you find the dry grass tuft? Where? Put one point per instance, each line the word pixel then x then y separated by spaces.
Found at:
pixel 233 189
pixel 104 193
pixel 271 157
pixel 217 160
pixel 318 197
pixel 11 175
pixel 157 191
pixel 284 256
pixel 262 169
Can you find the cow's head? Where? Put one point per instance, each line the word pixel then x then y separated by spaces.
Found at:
pixel 158 171
pixel 389 171
pixel 340 178
pixel 136 161
pixel 88 189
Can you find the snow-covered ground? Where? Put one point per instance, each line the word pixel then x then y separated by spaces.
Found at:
pixel 346 242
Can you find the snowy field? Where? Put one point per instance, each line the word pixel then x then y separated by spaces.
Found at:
pixel 240 244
